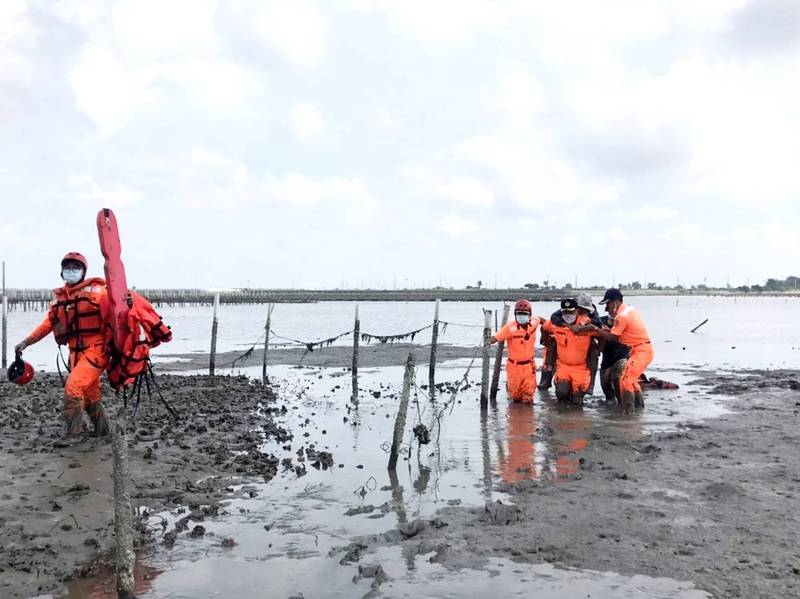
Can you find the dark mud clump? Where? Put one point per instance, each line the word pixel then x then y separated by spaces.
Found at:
pixel 55 503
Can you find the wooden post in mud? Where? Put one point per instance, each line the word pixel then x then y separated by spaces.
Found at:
pixel 5 321
pixel 356 335
pixel 123 516
pixel 214 326
pixel 487 337
pixel 267 329
pixel 434 341
pixel 400 423
pixel 498 361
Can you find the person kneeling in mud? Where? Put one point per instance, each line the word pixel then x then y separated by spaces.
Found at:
pixel 520 334
pixel 584 303
pixel 79 318
pixel 572 374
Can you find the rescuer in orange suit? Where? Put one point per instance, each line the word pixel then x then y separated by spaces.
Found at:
pixel 572 374
pixel 629 329
pixel 520 336
pixel 79 317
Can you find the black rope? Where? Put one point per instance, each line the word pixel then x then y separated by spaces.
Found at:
pixel 367 337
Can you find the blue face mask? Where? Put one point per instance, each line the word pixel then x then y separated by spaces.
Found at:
pixel 522 318
pixel 72 276
pixel 569 317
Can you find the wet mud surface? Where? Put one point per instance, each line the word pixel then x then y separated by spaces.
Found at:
pixel 56 517
pixel 337 356
pixel 290 493
pixel 717 503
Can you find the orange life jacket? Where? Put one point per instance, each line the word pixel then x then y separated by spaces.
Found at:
pixel 79 314
pixel 147 330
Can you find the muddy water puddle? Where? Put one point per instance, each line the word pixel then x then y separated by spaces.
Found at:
pixel 287 536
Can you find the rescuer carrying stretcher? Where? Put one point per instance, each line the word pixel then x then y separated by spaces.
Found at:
pixel 78 317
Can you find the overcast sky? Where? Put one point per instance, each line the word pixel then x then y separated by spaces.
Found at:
pixel 372 142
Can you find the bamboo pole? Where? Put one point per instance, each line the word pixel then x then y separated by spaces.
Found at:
pixel 400 422
pixel 214 326
pixel 498 360
pixel 123 517
pixel 434 341
pixel 267 329
pixel 356 335
pixel 487 336
pixel 692 331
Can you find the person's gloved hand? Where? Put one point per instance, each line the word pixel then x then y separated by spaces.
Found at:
pixel 20 347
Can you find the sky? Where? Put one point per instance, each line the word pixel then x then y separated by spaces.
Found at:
pixel 376 143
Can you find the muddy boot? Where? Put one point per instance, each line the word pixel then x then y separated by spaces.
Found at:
pixel 626 402
pixel 577 399
pixel 73 412
pixel 638 400
pixel 547 380
pixel 97 414
pixel 563 392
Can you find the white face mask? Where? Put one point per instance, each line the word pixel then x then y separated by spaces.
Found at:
pixel 569 317
pixel 72 276
pixel 522 318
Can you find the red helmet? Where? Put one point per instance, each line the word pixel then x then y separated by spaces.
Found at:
pixel 523 305
pixel 77 257
pixel 20 372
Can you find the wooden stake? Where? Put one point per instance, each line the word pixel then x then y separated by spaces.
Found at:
pixel 487 336
pixel 434 341
pixel 5 321
pixel 400 423
pixel 356 335
pixel 214 326
pixel 498 360
pixel 692 331
pixel 267 329
pixel 123 516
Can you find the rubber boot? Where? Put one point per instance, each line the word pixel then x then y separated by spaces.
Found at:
pixel 547 380
pixel 563 392
pixel 626 402
pixel 577 398
pixel 638 399
pixel 73 412
pixel 97 414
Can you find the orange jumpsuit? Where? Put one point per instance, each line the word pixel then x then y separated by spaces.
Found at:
pixel 521 365
pixel 571 355
pixel 629 327
pixel 78 317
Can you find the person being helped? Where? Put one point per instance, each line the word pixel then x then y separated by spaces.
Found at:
pixel 629 329
pixel 615 356
pixel 572 374
pixel 520 336
pixel 79 317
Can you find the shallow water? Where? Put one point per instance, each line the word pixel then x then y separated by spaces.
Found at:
pixel 285 533
pixel 742 332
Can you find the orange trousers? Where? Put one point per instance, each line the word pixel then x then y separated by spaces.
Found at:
pixel 578 376
pixel 521 381
pixel 83 382
pixel 638 361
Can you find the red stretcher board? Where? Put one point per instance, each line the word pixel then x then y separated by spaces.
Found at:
pixel 116 282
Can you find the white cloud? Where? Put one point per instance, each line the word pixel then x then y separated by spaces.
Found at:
pixel 296 28
pixel 86 189
pixel 307 121
pixel 205 158
pixel 426 184
pixel 654 214
pixel 457 226
pixel 333 193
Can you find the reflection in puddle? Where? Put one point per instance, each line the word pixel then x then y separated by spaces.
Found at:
pixel 289 532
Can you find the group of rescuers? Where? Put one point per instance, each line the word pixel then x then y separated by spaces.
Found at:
pixel 574 337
